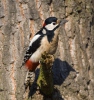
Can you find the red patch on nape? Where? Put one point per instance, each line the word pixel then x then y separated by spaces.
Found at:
pixel 44 24
pixel 31 65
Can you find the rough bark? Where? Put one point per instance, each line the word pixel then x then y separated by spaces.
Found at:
pixel 74 68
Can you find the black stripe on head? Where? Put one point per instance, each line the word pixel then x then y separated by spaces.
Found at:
pixel 50 20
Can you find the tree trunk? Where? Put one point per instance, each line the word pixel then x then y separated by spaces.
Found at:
pixel 73 70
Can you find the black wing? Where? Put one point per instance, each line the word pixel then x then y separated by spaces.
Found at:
pixel 35 45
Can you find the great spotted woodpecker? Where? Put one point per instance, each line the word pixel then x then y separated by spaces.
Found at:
pixel 44 40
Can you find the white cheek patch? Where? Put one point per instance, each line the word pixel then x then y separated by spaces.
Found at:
pixel 51 26
pixel 34 39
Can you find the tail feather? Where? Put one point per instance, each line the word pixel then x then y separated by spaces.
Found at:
pixel 30 77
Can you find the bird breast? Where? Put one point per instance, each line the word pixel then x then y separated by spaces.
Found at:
pixel 47 46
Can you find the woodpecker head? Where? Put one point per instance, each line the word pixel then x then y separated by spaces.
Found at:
pixel 52 23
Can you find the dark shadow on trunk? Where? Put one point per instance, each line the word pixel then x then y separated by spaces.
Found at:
pixel 61 70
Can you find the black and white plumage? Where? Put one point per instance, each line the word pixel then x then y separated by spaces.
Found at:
pixel 44 40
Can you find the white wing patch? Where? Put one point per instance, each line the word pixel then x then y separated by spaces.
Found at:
pixel 44 31
pixel 34 39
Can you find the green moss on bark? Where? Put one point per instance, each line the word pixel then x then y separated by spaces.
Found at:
pixel 45 79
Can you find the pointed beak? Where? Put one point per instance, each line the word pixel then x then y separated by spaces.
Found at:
pixel 61 22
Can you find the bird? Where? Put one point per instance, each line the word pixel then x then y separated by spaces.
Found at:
pixel 45 40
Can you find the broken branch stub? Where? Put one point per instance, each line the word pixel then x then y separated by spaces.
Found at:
pixel 45 79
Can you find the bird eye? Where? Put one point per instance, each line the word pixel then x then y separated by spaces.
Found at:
pixel 54 23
